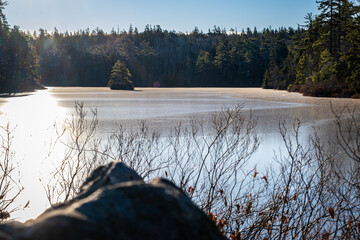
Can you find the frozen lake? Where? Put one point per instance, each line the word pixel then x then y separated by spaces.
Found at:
pixel 34 115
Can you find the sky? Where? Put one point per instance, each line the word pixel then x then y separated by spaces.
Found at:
pixel 181 16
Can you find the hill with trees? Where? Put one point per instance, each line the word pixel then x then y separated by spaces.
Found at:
pixel 161 57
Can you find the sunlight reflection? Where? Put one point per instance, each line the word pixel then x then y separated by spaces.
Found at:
pixel 33 118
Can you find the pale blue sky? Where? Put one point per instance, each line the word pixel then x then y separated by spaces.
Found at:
pixel 180 16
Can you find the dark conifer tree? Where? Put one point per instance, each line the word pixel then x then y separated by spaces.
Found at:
pixel 120 77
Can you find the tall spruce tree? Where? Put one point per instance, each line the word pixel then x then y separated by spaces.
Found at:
pixel 120 77
pixel 4 35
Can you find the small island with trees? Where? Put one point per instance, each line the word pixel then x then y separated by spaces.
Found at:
pixel 120 77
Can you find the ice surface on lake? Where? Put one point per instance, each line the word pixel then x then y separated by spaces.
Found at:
pixel 33 117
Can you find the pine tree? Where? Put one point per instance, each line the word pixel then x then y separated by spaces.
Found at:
pixel 203 62
pixel 120 77
pixel 329 17
pixel 4 35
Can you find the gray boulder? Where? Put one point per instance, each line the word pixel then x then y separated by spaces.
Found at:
pixel 115 203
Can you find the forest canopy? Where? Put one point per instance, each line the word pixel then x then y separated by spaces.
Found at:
pixel 320 58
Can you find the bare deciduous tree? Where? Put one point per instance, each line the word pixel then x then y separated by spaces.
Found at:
pixel 80 157
pixel 305 194
pixel 10 185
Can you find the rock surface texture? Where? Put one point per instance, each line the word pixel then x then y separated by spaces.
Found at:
pixel 115 203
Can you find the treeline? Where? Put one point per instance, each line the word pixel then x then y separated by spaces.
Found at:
pixel 18 58
pixel 321 58
pixel 324 60
pixel 157 57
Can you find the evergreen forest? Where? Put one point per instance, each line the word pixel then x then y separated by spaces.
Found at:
pixel 319 58
pixel 19 61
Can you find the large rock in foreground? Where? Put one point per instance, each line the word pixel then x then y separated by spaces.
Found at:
pixel 115 203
